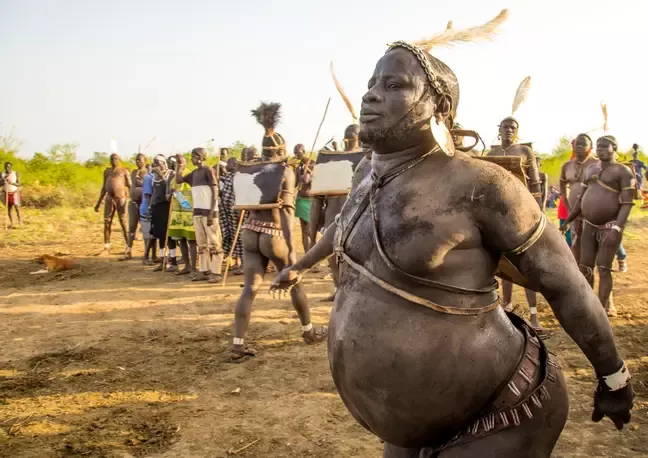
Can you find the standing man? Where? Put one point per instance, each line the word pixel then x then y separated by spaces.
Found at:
pixel 329 207
pixel 137 180
pixel 204 191
pixel 150 257
pixel 572 176
pixel 604 204
pixel 11 191
pixel 419 349
pixel 303 176
pixel 267 236
pixel 159 210
pixel 229 217
pixel 639 167
pixel 116 187
pixel 508 134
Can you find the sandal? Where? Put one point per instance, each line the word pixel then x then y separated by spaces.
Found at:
pixel 318 335
pixel 185 271
pixel 240 356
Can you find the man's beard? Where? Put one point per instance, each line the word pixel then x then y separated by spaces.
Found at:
pixel 394 133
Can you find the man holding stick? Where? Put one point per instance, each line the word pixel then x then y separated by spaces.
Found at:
pixel 204 191
pixel 115 188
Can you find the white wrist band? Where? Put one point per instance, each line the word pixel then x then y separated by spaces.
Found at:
pixel 617 380
pixel 617 228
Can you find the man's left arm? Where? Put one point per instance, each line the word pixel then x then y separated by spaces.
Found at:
pixel 536 248
pixel 287 212
pixel 627 182
pixel 534 184
pixel 213 186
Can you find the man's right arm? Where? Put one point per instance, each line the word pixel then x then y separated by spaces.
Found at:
pixel 563 187
pixel 508 218
pixel 103 190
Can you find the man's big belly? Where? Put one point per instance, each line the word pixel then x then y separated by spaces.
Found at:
pixel 411 375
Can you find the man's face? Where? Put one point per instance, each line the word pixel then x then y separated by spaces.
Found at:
pixel 8 168
pixel 224 152
pixel 161 163
pixel 395 87
pixel 582 146
pixel 195 159
pixel 139 162
pixel 508 131
pixel 114 160
pixel 604 150
pixel 299 152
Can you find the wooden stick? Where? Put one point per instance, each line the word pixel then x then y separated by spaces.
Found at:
pixel 229 257
pixel 6 202
pixel 310 155
pixel 231 451
pixel 166 236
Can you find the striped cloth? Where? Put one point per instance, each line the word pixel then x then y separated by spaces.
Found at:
pixel 229 217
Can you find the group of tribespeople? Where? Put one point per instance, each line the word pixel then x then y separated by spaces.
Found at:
pixel 193 211
pixel 422 350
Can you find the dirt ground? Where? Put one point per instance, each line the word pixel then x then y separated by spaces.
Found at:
pixel 112 360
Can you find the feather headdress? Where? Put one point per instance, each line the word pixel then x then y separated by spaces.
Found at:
pixel 340 89
pixel 268 115
pixel 450 36
pixel 605 116
pixel 521 94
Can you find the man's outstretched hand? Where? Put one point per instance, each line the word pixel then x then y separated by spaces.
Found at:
pixel 284 282
pixel 616 405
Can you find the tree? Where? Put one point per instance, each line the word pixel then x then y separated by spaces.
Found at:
pixel 63 152
pixel 9 144
pixel 99 159
pixel 563 146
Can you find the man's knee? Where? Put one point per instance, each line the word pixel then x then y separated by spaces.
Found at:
pixel 604 271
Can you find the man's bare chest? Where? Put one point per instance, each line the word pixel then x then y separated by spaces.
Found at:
pixel 411 228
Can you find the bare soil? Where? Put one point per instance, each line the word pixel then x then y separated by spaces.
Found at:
pixel 112 360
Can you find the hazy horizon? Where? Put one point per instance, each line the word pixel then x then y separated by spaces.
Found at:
pixel 86 71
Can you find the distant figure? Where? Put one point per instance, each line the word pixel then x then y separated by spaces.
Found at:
pixel 644 192
pixel 137 179
pixel 116 188
pixel 229 218
pixel 552 197
pixel 11 191
pixel 303 177
pixel 639 166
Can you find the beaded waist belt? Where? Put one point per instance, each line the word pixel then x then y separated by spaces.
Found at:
pixel 263 227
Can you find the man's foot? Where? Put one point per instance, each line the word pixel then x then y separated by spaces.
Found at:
pixel 240 354
pixel 171 268
pixel 330 298
pixel 185 271
pixel 156 260
pixel 104 252
pixel 238 271
pixel 181 260
pixel 147 262
pixel 508 307
pixel 611 311
pixel 126 257
pixel 215 278
pixel 200 276
pixel 315 335
pixel 623 265
pixel 158 268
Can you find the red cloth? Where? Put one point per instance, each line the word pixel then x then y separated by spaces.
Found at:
pixel 562 209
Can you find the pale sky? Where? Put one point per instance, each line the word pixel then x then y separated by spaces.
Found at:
pixel 187 71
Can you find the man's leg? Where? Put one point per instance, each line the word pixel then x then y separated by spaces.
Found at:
pixel 588 251
pixel 133 221
pixel 255 265
pixel 622 258
pixel 532 299
pixel 606 254
pixel 193 255
pixel 122 208
pixel 172 265
pixel 9 214
pixel 200 224
pixel 305 228
pixel 109 213
pixel 276 249
pixel 215 247
pixel 184 250
pixel 577 233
